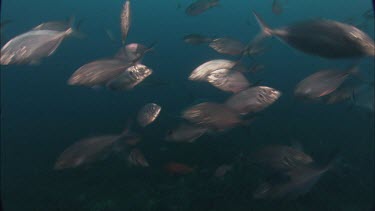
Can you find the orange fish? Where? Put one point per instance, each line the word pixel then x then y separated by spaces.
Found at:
pixel 178 168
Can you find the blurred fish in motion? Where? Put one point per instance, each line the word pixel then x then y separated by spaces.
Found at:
pixel 148 113
pixel 322 83
pixel 196 39
pixel 280 158
pixel 200 6
pixel 185 133
pixel 125 21
pixel 253 99
pixel 204 70
pixel 277 7
pixel 136 158
pixel 324 38
pixel 228 80
pixel 175 168
pixel 213 116
pixel 98 73
pixel 228 45
pixel 129 78
pixel 32 46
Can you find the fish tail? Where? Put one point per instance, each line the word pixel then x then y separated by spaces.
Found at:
pixel 74 30
pixel 266 31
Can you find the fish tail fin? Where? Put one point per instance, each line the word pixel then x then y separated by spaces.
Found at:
pixel 266 31
pixel 74 30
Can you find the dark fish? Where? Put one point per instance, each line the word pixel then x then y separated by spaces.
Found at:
pixel 363 97
pixel 125 21
pixel 276 158
pixel 212 115
pixel 253 99
pixel 136 158
pixel 228 45
pixel 4 22
pixel 291 184
pixel 148 114
pixel 256 68
pixel 204 70
pixel 324 38
pixel 178 168
pixel 98 73
pixel 228 80
pixel 369 14
pixel 200 6
pixel 129 78
pixel 32 46
pixel 185 133
pixel 196 39
pixel 277 7
pixel 322 83
pixel 222 170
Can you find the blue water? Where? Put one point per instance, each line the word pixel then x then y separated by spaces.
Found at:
pixel 41 115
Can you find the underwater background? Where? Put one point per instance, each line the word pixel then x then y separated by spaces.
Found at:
pixel 41 115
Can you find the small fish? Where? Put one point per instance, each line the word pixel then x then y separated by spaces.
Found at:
pixel 196 39
pixel 253 99
pixel 129 78
pixel 200 6
pixel 175 168
pixel 369 14
pixel 277 7
pixel 228 80
pixel 320 37
pixel 32 46
pixel 212 115
pixel 276 158
pixel 322 83
pixel 204 70
pixel 148 114
pixel 133 52
pixel 136 158
pixel 228 45
pixel 125 21
pixel 98 73
pixel 185 133
pixel 222 170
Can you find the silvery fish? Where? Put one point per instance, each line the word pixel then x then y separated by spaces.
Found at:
pixel 98 73
pixel 128 79
pixel 148 113
pixel 322 83
pixel 228 80
pixel 32 46
pixel 125 21
pixel 200 6
pixel 228 45
pixel 213 116
pixel 204 70
pixel 324 38
pixel 196 39
pixel 55 25
pixel 185 133
pixel 253 99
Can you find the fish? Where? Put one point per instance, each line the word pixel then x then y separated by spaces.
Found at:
pixel 222 170
pixel 280 158
pixel 148 114
pixel 213 116
pixel 227 45
pixel 129 78
pixel 196 39
pixel 253 99
pixel 291 184
pixel 98 72
pixel 320 37
pixel 32 46
pixel 277 7
pixel 175 168
pixel 322 83
pixel 343 93
pixel 125 21
pixel 54 25
pixel 204 70
pixel 133 52
pixel 200 6
pixel 185 132
pixel 363 97
pixel 369 14
pixel 228 80
pixel 136 158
